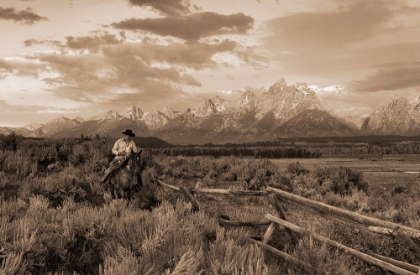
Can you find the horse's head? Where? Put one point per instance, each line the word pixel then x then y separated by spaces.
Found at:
pixel 134 166
pixel 134 162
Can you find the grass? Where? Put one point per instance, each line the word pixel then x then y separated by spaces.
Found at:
pixel 59 221
pixel 387 172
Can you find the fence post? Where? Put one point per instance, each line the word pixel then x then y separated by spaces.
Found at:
pixel 269 233
pixel 193 200
pixel 282 214
pixel 406 241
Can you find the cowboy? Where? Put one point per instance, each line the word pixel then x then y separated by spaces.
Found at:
pixel 122 149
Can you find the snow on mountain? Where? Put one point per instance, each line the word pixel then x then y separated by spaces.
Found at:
pixel 287 101
pixel 399 117
pixel 33 126
pixel 155 120
pixel 247 101
pixel 111 114
pixel 168 112
pixel 58 125
pixel 79 119
pixel 221 104
pixel 210 107
pixel 133 113
pixel 282 110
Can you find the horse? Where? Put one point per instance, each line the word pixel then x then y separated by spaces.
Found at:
pixel 126 180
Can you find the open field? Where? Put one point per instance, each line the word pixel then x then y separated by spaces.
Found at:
pixel 387 172
pixel 57 219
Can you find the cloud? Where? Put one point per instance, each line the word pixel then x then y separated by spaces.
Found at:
pixel 191 27
pixel 149 72
pixel 27 16
pixel 168 7
pixel 195 55
pixel 95 78
pixel 340 42
pixel 190 80
pixel 19 66
pixel 385 56
pixel 354 22
pixel 32 42
pixel 3 103
pixel 92 43
pixel 391 77
pixel 5 66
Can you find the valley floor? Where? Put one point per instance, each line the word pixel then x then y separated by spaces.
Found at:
pixel 387 171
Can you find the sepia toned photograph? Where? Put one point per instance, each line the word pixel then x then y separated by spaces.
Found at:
pixel 209 137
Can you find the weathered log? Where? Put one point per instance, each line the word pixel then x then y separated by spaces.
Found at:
pixel 380 230
pixel 167 185
pixel 404 265
pixel 269 233
pixel 284 255
pixel 238 223
pixel 223 216
pixel 406 241
pixel 332 217
pixel 193 200
pixel 256 237
pixel 345 214
pixel 356 253
pixel 239 193
pixel 282 214
pixel 218 191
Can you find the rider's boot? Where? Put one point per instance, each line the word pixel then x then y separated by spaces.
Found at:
pixel 107 173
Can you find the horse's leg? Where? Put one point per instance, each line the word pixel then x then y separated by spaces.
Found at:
pixel 120 183
pixel 111 182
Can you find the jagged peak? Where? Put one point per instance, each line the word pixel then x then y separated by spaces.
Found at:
pixel 165 109
pixel 302 85
pixel 61 119
pixel 247 94
pixel 32 126
pixel 133 109
pixel 111 111
pixel 133 112
pixel 186 111
pixel 207 102
pixel 218 99
pixel 281 82
pixel 79 119
pixel 107 115
pixel 170 113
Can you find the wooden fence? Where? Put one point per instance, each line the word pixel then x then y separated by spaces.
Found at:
pixel 406 235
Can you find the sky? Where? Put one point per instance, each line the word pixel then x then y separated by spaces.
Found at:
pixel 81 58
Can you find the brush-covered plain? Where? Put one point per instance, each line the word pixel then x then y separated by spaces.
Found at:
pixel 55 217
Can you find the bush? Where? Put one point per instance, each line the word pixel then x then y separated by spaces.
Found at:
pixel 297 169
pixel 341 180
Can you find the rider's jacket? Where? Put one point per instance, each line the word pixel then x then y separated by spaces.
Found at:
pixel 124 146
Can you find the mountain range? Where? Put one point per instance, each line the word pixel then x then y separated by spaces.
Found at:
pixel 279 112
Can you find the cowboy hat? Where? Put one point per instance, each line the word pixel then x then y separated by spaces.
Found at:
pixel 130 133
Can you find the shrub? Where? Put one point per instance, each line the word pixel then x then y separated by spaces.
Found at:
pixel 341 180
pixel 295 168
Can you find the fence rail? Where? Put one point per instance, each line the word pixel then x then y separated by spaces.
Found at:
pixel 404 234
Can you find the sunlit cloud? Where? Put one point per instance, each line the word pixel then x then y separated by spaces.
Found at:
pixel 167 7
pixel 191 27
pixel 391 77
pixel 26 16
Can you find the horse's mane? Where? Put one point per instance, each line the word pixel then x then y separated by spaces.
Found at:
pixel 126 160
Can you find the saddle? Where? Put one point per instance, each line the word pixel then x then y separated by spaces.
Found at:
pixel 113 167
